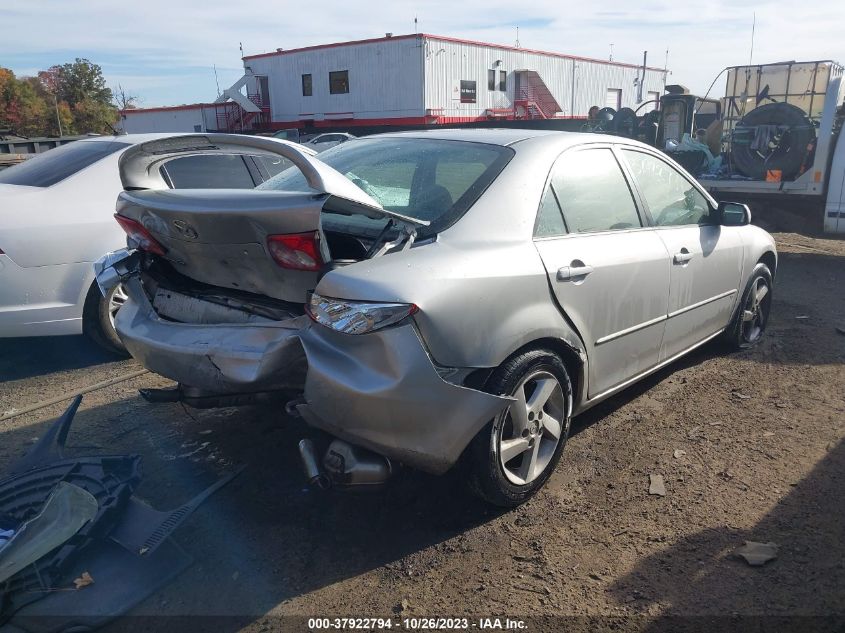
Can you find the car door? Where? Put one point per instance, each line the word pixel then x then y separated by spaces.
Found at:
pixel 705 258
pixel 609 271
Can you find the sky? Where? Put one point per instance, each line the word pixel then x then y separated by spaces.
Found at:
pixel 164 51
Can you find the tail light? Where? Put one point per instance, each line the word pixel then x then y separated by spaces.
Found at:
pixel 297 251
pixel 143 239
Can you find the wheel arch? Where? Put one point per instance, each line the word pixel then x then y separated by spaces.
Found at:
pixel 770 259
pixel 574 359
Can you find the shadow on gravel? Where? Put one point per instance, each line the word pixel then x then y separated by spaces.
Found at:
pixel 700 576
pixel 27 357
pixel 266 537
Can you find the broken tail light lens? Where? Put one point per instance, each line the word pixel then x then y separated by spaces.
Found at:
pixel 297 251
pixel 357 317
pixel 139 237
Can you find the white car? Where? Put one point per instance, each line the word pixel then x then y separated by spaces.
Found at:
pixel 57 218
pixel 322 142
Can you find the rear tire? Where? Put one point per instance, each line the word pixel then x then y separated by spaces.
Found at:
pixel 752 316
pixel 515 453
pixel 98 318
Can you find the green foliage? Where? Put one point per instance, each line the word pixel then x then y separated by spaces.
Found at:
pixel 72 95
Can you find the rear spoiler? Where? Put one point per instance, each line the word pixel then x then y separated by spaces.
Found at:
pixel 140 165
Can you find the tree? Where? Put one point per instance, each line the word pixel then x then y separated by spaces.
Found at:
pixel 80 81
pixel 22 108
pixel 68 98
pixel 125 100
pixel 83 88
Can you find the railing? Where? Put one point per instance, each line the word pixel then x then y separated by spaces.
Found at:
pixel 231 117
pixel 538 103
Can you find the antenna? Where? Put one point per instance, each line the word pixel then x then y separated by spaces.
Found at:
pixel 216 80
pixel 516 44
pixel 241 46
pixel 753 28
pixel 415 24
pixel 611 52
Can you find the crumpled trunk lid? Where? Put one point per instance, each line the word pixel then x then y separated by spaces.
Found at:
pixel 219 237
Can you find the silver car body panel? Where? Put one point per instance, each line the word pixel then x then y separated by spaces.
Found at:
pixel 381 390
pixel 485 288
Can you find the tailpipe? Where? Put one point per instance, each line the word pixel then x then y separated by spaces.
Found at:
pixel 310 464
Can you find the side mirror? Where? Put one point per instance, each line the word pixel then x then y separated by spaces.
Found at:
pixel 734 214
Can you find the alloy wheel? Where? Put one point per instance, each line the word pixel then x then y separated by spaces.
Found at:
pixel 755 313
pixel 532 428
pixel 116 300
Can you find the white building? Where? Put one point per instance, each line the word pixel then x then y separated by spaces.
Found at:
pixel 406 80
pixel 195 117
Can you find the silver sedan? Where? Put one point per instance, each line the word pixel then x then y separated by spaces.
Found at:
pixel 436 299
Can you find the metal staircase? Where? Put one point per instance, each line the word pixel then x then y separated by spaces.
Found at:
pixel 533 99
pixel 232 117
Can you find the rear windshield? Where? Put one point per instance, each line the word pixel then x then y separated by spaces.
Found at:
pixel 426 179
pixel 57 164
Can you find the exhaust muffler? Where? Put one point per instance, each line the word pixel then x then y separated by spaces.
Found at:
pixel 345 466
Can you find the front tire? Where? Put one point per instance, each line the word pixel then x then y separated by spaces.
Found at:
pixel 752 316
pixel 98 318
pixel 515 453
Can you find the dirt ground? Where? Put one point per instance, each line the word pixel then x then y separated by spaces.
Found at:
pixel 763 460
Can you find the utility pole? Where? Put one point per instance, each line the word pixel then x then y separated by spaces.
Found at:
pixel 642 79
pixel 753 28
pixel 58 118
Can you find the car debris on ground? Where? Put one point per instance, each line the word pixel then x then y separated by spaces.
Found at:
pixel 757 554
pixel 65 521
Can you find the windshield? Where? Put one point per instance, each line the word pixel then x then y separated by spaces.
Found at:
pixel 427 179
pixel 57 164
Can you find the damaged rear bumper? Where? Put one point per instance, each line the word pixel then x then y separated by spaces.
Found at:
pixel 217 358
pixel 379 390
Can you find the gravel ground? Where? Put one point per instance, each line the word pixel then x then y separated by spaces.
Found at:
pixel 749 446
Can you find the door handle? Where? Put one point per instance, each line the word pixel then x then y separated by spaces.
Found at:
pixel 682 257
pixel 573 272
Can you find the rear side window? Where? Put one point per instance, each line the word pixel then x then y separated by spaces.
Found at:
pixel 428 179
pixel 549 218
pixel 593 192
pixel 53 166
pixel 671 198
pixel 215 171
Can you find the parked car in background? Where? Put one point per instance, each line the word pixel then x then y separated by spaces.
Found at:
pixel 322 142
pixel 291 135
pixel 436 298
pixel 56 218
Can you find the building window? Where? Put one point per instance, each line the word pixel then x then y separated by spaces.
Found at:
pixel 614 98
pixel 307 89
pixel 491 80
pixel 503 81
pixel 468 91
pixel 339 82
